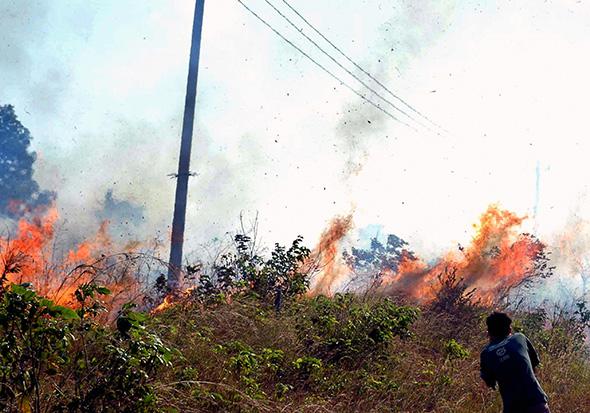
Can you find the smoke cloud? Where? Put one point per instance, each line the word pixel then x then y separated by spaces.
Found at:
pixel 411 29
pixel 21 26
pixel 123 216
pixel 101 85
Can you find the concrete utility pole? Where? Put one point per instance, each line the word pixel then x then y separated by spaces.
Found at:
pixel 178 222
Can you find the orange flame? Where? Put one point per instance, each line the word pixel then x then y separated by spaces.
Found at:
pixel 31 257
pixel 332 270
pixel 171 299
pixel 497 259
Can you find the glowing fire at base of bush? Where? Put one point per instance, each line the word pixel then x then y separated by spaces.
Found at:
pixel 172 299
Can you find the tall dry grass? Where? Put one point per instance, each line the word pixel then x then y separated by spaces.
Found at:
pixel 435 368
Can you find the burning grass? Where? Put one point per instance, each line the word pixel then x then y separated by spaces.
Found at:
pixel 332 354
pixel 248 335
pixel 498 259
pixel 33 257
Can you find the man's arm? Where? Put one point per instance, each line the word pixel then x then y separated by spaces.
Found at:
pixel 485 372
pixel 533 355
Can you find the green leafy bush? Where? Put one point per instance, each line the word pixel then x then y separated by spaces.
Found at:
pixel 307 366
pixel 35 338
pixel 244 270
pixel 59 359
pixel 346 326
pixel 454 350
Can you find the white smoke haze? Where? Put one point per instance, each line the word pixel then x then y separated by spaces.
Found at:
pixel 100 85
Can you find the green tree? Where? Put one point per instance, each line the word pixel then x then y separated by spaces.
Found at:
pixel 19 192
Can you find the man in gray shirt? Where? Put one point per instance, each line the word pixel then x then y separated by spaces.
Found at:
pixel 508 360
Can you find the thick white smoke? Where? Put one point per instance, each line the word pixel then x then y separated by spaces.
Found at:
pixel 277 135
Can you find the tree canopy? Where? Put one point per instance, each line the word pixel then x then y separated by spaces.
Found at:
pixel 19 192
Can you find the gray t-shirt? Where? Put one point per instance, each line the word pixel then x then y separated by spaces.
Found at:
pixel 509 363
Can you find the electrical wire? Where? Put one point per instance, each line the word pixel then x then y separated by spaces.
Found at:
pixel 345 69
pixel 359 94
pixel 359 67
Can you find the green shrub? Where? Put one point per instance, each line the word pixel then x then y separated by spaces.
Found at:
pixel 345 326
pixel 307 366
pixel 244 270
pixel 35 338
pixel 55 358
pixel 252 367
pixel 454 350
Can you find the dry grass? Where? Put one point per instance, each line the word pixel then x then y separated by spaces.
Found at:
pixel 223 366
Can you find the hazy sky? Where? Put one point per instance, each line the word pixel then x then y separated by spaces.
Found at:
pixel 100 84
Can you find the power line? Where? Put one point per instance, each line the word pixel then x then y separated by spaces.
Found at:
pixel 359 94
pixel 343 67
pixel 359 67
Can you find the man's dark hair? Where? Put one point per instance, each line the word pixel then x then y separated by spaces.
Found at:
pixel 498 324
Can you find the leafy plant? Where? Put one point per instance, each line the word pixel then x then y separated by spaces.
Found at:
pixel 345 326
pixel 455 350
pixel 35 336
pixel 244 270
pixel 51 355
